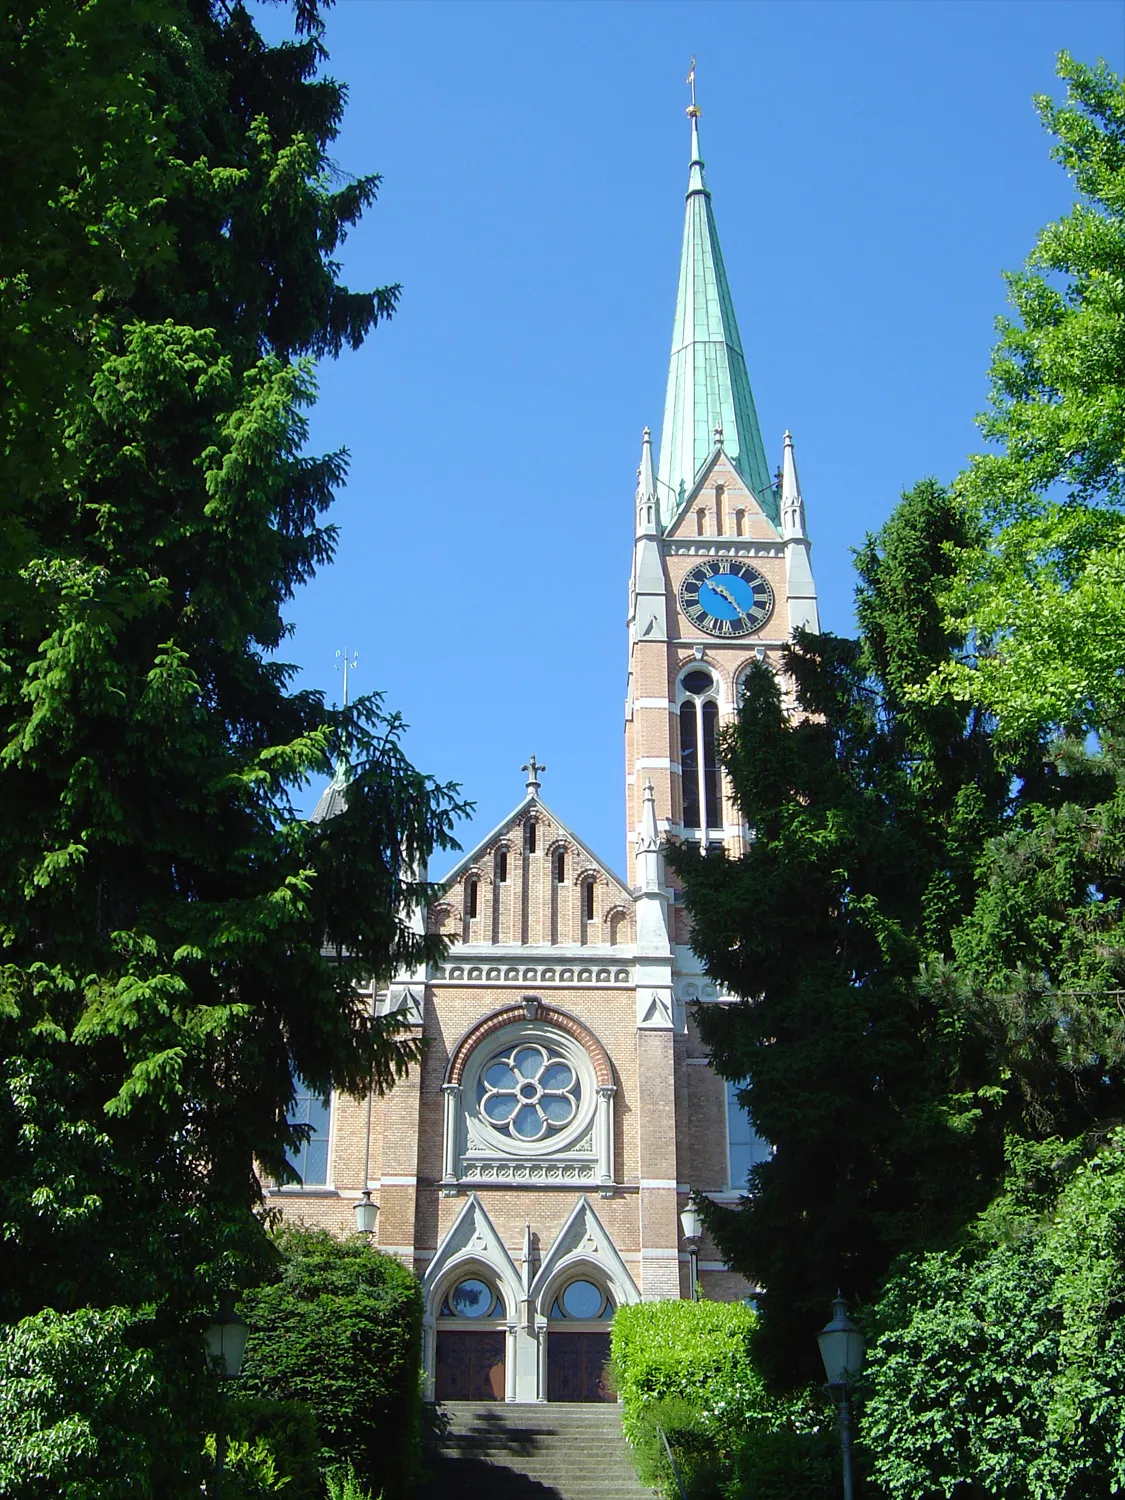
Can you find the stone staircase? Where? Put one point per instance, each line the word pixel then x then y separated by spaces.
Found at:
pixel 494 1450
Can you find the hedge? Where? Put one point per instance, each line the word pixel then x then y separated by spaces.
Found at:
pixel 688 1369
pixel 695 1350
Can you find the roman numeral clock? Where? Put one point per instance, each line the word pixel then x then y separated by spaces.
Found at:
pixel 725 597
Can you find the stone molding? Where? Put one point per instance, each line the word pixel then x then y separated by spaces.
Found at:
pixel 547 1015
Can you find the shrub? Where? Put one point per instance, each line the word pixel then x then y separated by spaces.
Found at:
pixel 86 1411
pixel 271 1446
pixel 700 1467
pixel 1002 1365
pixel 788 1461
pixel 698 1351
pixel 341 1331
pixel 687 1367
pixel 342 1484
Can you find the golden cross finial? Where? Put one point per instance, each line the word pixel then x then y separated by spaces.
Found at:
pixel 693 109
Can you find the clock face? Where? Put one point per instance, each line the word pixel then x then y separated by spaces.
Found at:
pixel 726 597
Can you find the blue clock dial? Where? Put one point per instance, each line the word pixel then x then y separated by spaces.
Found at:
pixel 726 597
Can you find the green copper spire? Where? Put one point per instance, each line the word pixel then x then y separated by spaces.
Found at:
pixel 708 387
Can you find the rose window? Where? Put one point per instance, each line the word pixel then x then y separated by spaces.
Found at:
pixel 529 1092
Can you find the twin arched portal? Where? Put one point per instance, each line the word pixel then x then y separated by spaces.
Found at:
pixel 529 1098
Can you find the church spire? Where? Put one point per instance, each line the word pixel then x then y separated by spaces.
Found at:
pixel 708 386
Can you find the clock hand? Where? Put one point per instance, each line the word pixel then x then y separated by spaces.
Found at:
pixel 725 594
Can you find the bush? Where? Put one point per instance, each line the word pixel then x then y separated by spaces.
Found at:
pixel 700 1467
pixel 788 1462
pixel 1002 1364
pixel 342 1484
pixel 698 1351
pixel 687 1367
pixel 87 1412
pixel 271 1446
pixel 341 1331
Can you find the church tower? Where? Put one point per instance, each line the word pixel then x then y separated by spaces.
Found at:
pixel 721 573
pixel 535 1164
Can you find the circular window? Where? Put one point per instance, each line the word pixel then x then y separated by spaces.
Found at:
pixel 529 1091
pixel 698 682
pixel 583 1301
pixel 471 1299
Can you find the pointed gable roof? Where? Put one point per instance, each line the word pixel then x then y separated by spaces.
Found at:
pixel 532 800
pixel 708 384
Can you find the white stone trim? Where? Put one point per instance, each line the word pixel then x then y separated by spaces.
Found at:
pixel 472 1246
pixel 718 547
pixel 582 1244
pixel 580 1155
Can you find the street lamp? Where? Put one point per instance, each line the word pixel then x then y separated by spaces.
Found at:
pixel 841 1349
pixel 225 1337
pixel 366 1213
pixel 691 1222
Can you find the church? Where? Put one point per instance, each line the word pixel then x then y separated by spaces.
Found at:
pixel 533 1169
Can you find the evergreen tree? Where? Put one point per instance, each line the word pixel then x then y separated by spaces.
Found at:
pixel 869 812
pixel 173 938
pixel 926 930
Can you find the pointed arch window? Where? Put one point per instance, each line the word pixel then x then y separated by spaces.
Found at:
pixel 700 773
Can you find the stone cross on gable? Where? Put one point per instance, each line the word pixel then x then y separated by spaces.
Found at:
pixel 533 769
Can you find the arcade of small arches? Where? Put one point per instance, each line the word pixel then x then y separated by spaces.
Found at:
pixel 581 903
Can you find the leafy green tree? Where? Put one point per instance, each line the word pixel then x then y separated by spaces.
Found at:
pixel 86 1410
pixel 341 1331
pixel 869 811
pixel 999 1367
pixel 173 938
pixel 1041 602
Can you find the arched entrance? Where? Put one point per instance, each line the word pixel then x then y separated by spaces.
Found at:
pixel 471 1335
pixel 578 1341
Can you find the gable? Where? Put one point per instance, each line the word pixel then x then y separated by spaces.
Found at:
pixel 532 881
pixel 721 503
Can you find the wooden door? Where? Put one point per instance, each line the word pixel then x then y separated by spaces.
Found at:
pixel 470 1365
pixel 576 1367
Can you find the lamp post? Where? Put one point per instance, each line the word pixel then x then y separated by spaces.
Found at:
pixel 366 1213
pixel 691 1222
pixel 225 1338
pixel 841 1349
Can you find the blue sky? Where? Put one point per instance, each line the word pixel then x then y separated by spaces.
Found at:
pixel 874 167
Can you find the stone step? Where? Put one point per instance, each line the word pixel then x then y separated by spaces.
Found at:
pixel 527 1451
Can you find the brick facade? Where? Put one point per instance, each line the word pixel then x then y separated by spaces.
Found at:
pixel 565 1108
